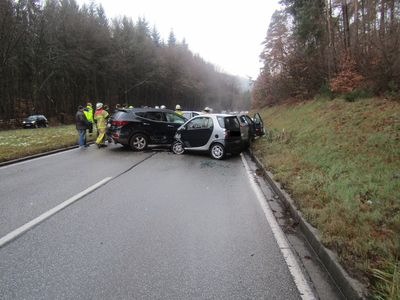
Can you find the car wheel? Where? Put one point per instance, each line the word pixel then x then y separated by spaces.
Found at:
pixel 217 151
pixel 177 147
pixel 139 142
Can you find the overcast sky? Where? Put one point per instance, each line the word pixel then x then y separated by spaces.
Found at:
pixel 226 33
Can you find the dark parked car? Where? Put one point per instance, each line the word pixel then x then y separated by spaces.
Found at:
pixel 217 134
pixel 35 121
pixel 138 128
pixel 250 128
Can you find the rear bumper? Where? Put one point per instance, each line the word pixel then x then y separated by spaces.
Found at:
pixel 234 146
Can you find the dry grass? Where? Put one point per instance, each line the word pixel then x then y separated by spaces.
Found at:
pixel 24 142
pixel 341 163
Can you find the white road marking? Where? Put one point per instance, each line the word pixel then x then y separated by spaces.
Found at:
pixel 35 158
pixel 19 231
pixel 294 268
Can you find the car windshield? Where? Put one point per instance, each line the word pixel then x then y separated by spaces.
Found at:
pixel 174 118
pixel 32 118
pixel 200 123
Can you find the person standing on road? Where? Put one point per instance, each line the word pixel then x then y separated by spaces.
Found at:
pixel 82 124
pixel 107 109
pixel 100 117
pixel 88 111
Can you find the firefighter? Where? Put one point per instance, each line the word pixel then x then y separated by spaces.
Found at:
pixel 178 110
pixel 100 117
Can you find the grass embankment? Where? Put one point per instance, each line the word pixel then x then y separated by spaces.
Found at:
pixel 341 163
pixel 24 142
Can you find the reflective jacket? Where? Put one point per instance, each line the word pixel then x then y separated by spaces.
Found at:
pixel 101 118
pixel 88 111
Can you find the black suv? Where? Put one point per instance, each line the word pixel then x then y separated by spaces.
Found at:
pixel 139 127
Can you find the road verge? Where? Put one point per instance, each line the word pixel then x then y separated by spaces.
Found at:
pixel 350 287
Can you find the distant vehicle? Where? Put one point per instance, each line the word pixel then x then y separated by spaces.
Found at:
pixel 35 121
pixel 188 114
pixel 138 128
pixel 217 134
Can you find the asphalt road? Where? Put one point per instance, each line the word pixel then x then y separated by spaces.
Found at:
pixel 163 227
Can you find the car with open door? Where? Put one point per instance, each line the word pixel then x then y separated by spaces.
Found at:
pixel 217 134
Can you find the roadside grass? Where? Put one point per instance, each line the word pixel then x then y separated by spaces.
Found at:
pixel 341 163
pixel 24 142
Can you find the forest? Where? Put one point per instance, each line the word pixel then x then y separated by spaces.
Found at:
pixel 56 55
pixel 330 48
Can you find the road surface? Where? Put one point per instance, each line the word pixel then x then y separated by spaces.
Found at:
pixel 140 225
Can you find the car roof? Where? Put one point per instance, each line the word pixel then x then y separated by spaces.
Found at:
pixel 213 115
pixel 142 109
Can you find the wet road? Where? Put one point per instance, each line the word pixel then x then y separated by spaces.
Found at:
pixel 163 227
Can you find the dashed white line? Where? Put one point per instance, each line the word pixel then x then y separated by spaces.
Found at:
pixel 17 232
pixel 294 268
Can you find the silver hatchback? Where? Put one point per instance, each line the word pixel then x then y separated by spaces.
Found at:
pixel 217 134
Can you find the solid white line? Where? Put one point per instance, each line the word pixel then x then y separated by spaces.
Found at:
pixel 294 268
pixel 17 232
pixel 33 159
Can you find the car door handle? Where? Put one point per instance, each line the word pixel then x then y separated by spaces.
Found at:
pixel 147 124
pixel 171 126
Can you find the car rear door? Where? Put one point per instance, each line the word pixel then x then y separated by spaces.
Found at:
pixel 258 125
pixel 197 132
pixel 154 125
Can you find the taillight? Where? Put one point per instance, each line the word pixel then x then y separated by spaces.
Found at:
pixel 119 123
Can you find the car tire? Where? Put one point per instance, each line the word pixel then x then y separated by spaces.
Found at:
pixel 177 148
pixel 217 151
pixel 139 142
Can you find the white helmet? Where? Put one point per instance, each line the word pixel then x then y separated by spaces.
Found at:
pixel 207 109
pixel 163 107
pixel 178 107
pixel 99 105
pixel 156 107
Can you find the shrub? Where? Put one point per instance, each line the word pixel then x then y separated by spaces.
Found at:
pixel 357 94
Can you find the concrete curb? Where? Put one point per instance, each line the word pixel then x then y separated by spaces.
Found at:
pixel 351 288
pixel 10 162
